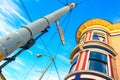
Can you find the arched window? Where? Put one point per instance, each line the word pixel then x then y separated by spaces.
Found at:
pixel 98 62
pixel 98 36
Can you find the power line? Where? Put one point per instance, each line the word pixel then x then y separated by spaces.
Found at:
pixel 49 72
pixel 68 16
pixel 65 19
pixel 58 47
pixel 66 1
pixel 26 10
pixel 45 46
pixel 56 70
pixel 61 2
pixel 56 31
pixel 30 69
pixel 81 2
pixel 68 21
pixel 53 61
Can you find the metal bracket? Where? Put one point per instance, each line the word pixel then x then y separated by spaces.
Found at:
pixel 60 32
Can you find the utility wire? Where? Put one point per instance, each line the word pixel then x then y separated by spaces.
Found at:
pixel 61 2
pixel 65 18
pixel 26 10
pixel 60 46
pixel 56 70
pixel 67 22
pixel 81 2
pixel 53 60
pixel 30 69
pixel 45 46
pixel 66 1
pixel 49 72
pixel 68 16
pixel 56 31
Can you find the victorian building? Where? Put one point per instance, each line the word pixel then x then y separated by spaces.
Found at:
pixel 97 55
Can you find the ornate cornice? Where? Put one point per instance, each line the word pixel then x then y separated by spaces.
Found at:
pixel 97 23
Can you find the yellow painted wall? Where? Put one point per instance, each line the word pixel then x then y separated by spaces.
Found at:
pixel 115 40
pixel 111 29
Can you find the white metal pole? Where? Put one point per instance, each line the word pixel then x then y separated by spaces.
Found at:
pixel 51 61
pixel 12 41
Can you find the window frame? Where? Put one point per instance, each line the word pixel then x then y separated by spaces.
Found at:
pixel 73 64
pixel 99 34
pixel 107 63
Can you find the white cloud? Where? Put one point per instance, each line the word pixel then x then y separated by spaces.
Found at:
pixel 37 0
pixel 9 12
pixel 11 9
pixel 41 48
pixel 63 58
pixel 30 52
pixel 6 72
pixel 19 61
pixel 115 20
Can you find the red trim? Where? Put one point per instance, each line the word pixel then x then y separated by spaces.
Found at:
pixel 90 35
pixel 85 59
pixel 85 38
pixel 107 39
pixel 111 66
pixel 78 61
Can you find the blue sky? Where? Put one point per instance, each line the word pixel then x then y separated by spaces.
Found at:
pixel 27 66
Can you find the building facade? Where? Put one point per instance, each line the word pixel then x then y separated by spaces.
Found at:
pixel 97 55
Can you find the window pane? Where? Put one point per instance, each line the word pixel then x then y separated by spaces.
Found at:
pixel 74 61
pixel 95 37
pixel 97 66
pixel 72 68
pixel 100 37
pixel 73 65
pixel 98 56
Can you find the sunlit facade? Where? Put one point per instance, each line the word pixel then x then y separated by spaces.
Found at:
pixel 97 55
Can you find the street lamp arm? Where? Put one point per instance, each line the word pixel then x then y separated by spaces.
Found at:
pixel 46 69
pixel 51 61
pixel 40 55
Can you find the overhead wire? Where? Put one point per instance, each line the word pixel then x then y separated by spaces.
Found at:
pixel 26 10
pixel 61 2
pixel 58 47
pixel 68 16
pixel 30 69
pixel 56 31
pixel 68 20
pixel 65 18
pixel 45 46
pixel 56 70
pixel 49 73
pixel 66 1
pixel 81 2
